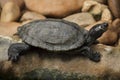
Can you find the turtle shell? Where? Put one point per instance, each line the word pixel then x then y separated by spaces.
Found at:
pixel 53 34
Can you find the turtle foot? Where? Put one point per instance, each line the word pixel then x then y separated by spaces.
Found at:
pixel 15 50
pixel 95 57
pixel 13 57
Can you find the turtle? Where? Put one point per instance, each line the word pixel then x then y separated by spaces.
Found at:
pixel 57 35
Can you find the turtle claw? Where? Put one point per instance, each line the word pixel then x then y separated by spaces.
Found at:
pixel 13 57
pixel 95 57
pixel 15 50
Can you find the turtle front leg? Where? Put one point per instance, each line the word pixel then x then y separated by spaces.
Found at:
pixel 16 49
pixel 88 52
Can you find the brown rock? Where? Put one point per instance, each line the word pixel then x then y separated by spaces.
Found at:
pixel 112 35
pixel 93 6
pixel 31 16
pixel 101 1
pixel 82 19
pixel 54 8
pixel 97 9
pixel 88 4
pixel 25 22
pixel 109 38
pixel 10 12
pixel 106 15
pixel 114 6
pixel 8 28
pixel 116 26
pixel 20 3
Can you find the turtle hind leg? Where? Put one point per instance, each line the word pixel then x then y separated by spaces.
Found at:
pixel 88 52
pixel 15 50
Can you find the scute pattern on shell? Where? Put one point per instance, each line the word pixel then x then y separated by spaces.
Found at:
pixel 52 34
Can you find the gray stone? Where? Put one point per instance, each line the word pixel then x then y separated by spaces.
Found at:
pixel 4 44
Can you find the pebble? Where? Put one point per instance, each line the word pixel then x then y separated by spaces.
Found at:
pixel 98 10
pixel 109 38
pixel 88 4
pixel 10 12
pixel 54 8
pixel 106 15
pixel 83 19
pixel 114 6
pixel 28 15
pixel 8 28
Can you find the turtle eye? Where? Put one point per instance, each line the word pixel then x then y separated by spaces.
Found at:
pixel 102 27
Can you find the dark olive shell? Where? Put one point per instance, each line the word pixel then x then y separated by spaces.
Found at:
pixel 53 34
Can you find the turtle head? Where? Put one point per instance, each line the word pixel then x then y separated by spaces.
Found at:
pixel 101 27
pixel 95 32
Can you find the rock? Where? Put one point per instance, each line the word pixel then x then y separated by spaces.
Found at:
pixel 88 4
pixel 8 28
pixel 10 12
pixel 114 7
pixel 20 3
pixel 25 22
pixel 31 16
pixel 5 65
pixel 111 36
pixel 78 66
pixel 101 1
pixel 45 66
pixel 82 19
pixel 4 45
pixel 106 15
pixel 96 10
pixel 99 11
pixel 116 25
pixel 54 8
